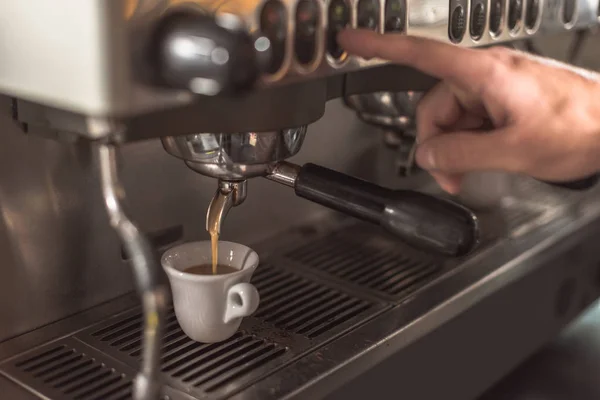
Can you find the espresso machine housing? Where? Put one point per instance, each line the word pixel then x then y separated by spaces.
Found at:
pixel 99 95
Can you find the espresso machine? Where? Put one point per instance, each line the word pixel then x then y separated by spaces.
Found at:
pixel 150 112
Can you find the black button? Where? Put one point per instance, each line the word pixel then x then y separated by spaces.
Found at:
pixel 307 21
pixel 394 16
pixel 338 18
pixel 273 24
pixel 477 21
pixel 368 14
pixel 515 11
pixel 394 24
pixel 569 11
pixel 458 22
pixel 532 13
pixel 497 7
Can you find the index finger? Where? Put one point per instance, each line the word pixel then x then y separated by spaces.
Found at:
pixel 465 67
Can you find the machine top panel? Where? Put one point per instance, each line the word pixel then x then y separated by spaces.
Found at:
pixel 90 57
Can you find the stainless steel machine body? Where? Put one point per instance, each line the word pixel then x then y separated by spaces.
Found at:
pixel 343 303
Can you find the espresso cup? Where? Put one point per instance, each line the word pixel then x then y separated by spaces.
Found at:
pixel 210 308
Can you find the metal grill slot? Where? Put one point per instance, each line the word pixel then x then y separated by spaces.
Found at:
pixel 318 250
pixel 265 275
pixel 101 373
pixel 248 363
pixel 311 311
pixel 123 394
pixel 176 344
pixel 239 358
pixel 281 285
pixel 116 325
pixel 397 271
pixel 69 371
pixel 376 271
pixel 348 255
pixel 183 356
pixel 222 360
pixel 314 330
pixel 303 308
pixel 257 362
pixel 338 310
pixel 48 361
pixel 108 382
pixel 74 358
pixel 409 282
pixel 112 391
pixel 368 265
pixel 134 342
pixel 215 354
pixel 187 346
pixel 284 305
pixel 133 326
pixel 74 378
pixel 40 356
pixel 294 291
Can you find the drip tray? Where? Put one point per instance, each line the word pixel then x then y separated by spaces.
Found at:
pixel 315 286
pixel 296 315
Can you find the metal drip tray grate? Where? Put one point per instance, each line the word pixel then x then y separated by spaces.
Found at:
pixel 297 304
pixel 69 370
pixel 370 260
pixel 288 323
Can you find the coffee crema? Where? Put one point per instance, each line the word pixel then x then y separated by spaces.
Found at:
pixel 207 269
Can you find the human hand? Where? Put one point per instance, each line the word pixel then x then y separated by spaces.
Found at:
pixel 495 109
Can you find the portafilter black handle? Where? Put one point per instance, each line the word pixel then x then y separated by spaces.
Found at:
pixel 423 221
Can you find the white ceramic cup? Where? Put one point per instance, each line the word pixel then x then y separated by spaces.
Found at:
pixel 210 308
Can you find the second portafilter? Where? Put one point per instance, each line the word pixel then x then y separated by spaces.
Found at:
pixel 422 220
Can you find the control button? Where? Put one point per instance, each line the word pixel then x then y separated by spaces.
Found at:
pixel 338 17
pixel 532 13
pixel 394 16
pixel 477 21
pixel 515 12
pixel 273 25
pixel 497 6
pixel 367 14
pixel 569 7
pixel 307 23
pixel 458 24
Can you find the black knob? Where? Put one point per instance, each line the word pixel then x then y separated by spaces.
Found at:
pixel 206 55
pixel 419 219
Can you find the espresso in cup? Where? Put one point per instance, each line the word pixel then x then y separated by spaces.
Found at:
pixel 208 269
pixel 210 307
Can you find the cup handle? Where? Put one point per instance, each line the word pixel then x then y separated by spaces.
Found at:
pixel 242 301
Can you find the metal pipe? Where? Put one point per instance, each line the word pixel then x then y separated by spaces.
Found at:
pixel 149 277
pixel 284 172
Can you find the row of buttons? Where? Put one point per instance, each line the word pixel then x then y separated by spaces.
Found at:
pixel 514 18
pixel 274 25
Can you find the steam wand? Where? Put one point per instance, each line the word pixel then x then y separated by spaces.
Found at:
pixel 151 283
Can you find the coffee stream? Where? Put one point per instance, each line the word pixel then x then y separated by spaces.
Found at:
pixel 213 225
